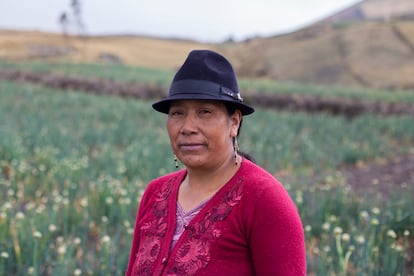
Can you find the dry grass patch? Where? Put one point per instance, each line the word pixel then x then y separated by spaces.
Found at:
pixel 131 50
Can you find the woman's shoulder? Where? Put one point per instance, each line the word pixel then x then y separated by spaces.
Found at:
pixel 259 183
pixel 265 194
pixel 255 174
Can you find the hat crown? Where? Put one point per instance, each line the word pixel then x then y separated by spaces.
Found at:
pixel 210 66
pixel 205 75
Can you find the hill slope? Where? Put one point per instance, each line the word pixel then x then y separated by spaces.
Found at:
pixel 374 10
pixel 370 44
pixel 371 54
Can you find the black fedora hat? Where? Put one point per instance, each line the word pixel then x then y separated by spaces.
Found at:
pixel 205 75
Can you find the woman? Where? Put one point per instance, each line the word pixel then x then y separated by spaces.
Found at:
pixel 221 214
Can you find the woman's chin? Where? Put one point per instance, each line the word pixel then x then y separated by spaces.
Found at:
pixel 193 162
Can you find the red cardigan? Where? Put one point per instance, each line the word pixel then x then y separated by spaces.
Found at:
pixel 249 227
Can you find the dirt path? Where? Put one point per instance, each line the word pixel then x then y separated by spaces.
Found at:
pixel 303 103
pixel 388 177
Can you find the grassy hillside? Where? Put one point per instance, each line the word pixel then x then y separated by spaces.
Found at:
pixel 371 44
pixel 138 51
pixel 370 54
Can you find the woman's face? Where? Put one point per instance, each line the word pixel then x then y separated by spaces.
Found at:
pixel 201 132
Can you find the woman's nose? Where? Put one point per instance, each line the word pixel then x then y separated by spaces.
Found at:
pixel 190 124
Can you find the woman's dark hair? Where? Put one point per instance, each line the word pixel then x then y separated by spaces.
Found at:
pixel 230 110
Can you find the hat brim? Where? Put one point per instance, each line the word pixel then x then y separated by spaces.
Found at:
pixel 163 106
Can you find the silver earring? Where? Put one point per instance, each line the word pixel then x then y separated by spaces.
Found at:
pixel 176 161
pixel 236 149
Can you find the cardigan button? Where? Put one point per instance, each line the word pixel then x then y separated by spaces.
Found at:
pixel 164 260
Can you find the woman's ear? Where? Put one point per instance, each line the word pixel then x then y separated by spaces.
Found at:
pixel 235 118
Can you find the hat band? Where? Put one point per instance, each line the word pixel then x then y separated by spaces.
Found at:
pixel 209 88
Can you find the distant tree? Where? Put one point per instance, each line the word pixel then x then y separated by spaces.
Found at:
pixel 230 39
pixel 77 14
pixel 64 22
pixel 72 20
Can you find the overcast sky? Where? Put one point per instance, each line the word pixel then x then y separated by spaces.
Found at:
pixel 206 21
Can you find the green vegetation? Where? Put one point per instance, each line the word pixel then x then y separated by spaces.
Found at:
pixel 270 86
pixel 110 72
pixel 75 165
pixel 163 78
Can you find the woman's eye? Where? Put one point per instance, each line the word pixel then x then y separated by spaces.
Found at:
pixel 175 113
pixel 204 111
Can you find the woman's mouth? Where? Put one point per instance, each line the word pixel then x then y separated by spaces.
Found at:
pixel 191 146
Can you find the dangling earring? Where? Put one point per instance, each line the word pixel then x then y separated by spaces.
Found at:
pixel 176 161
pixel 236 150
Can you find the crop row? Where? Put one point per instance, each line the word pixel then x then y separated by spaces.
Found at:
pixel 74 167
pixel 162 78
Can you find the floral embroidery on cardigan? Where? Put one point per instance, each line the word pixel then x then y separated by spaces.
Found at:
pixel 194 253
pixel 153 231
